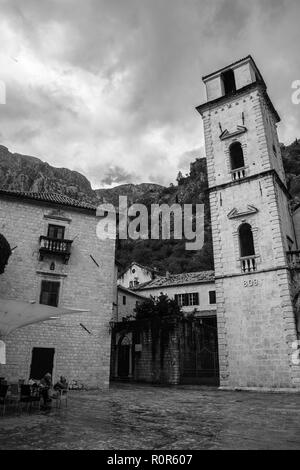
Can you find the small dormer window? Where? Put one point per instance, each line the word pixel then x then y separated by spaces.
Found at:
pixel 228 80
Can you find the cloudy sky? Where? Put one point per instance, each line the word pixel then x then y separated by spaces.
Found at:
pixel 109 87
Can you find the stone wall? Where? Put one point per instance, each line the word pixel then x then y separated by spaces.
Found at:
pixel 156 359
pixel 256 324
pixel 80 354
pixel 169 351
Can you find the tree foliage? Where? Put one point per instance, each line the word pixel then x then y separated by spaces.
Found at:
pixel 5 252
pixel 157 307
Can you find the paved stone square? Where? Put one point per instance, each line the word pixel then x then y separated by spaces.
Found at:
pixel 131 416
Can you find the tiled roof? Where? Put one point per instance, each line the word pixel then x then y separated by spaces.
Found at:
pixel 54 198
pixel 179 279
pixel 131 292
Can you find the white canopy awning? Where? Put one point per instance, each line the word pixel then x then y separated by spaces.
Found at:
pixel 15 314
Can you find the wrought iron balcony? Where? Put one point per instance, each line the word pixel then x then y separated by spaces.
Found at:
pixel 248 264
pixel 293 258
pixel 55 246
pixel 238 173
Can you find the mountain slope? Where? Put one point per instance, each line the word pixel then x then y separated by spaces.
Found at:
pixel 26 173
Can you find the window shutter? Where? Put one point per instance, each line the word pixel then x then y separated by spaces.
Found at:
pixel 212 296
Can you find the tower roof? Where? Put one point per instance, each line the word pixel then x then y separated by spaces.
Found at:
pixel 239 62
pixel 246 78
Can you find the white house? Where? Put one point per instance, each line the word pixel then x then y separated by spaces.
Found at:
pixel 194 292
pixel 136 274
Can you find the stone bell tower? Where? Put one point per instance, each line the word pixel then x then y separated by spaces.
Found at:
pixel 252 231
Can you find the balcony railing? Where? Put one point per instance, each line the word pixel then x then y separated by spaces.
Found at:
pixel 248 264
pixel 55 246
pixel 293 258
pixel 238 173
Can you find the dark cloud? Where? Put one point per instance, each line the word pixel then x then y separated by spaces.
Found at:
pixel 88 81
pixel 116 175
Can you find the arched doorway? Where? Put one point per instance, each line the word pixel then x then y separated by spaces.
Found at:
pixel 124 358
pixel 5 252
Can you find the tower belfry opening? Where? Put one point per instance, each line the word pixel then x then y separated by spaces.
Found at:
pixel 246 240
pixel 236 155
pixel 228 81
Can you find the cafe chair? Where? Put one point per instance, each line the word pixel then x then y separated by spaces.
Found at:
pixel 61 396
pixel 3 397
pixel 14 394
pixel 28 397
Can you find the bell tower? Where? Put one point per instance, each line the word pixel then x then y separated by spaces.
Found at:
pixel 252 230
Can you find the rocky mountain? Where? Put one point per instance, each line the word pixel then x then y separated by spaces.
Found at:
pixel 134 193
pixel 26 173
pixel 291 162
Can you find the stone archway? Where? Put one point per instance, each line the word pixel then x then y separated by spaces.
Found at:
pixel 5 252
pixel 124 357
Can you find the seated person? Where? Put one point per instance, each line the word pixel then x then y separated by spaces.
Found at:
pixel 45 387
pixel 62 384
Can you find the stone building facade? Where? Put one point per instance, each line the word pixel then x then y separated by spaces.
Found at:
pixel 171 350
pixel 126 303
pixel 136 274
pixel 194 292
pixel 252 231
pixel 58 260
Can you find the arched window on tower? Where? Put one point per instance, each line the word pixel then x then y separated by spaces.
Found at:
pixel 247 251
pixel 237 162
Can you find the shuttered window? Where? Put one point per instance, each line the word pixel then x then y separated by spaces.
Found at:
pixel 56 231
pixel 185 300
pixel 49 293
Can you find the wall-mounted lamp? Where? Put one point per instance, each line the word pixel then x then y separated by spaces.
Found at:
pixel 52 266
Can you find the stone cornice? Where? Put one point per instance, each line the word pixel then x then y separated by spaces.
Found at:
pixel 262 174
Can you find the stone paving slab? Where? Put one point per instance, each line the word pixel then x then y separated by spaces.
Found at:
pixel 131 416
